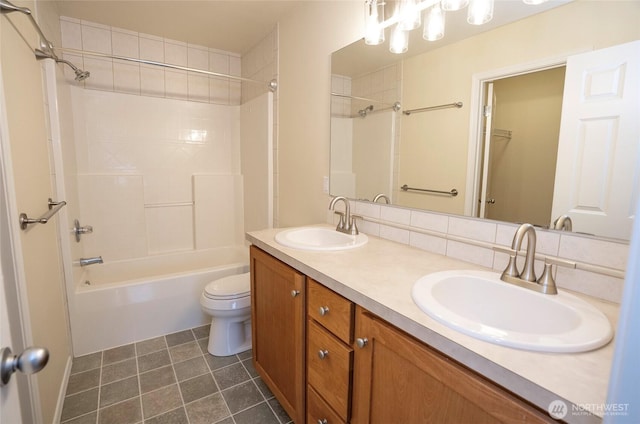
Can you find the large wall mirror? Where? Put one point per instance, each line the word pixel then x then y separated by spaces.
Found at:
pixel 471 124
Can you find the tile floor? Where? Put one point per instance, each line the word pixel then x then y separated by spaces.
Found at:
pixel 170 379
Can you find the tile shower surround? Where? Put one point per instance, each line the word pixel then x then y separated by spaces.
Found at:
pixel 600 263
pixel 169 379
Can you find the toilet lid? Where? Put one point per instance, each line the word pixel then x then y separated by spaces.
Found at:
pixel 230 287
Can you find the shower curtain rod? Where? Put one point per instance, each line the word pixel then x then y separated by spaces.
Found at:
pixel 346 96
pixel 272 85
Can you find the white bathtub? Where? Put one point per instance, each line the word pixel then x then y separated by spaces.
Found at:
pixel 126 301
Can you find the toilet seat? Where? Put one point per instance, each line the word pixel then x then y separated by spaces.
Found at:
pixel 227 288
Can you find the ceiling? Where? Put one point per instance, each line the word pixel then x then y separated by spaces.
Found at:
pixel 235 26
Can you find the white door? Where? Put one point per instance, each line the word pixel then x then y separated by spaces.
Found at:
pixel 599 141
pixel 9 394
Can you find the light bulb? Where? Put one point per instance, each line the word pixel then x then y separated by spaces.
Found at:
pixel 409 15
pixel 374 32
pixel 453 5
pixel 399 42
pixel 433 24
pixel 534 2
pixel 480 12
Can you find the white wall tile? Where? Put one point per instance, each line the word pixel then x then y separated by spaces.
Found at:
pixel 125 43
pixel 198 57
pixel 598 252
pixel 169 229
pixel 71 33
pixel 151 48
pixel 472 228
pixel 175 53
pixel 394 234
pixel 96 38
pixel 152 81
pixel 101 73
pixel 219 90
pixel 198 88
pixel 176 85
pixel 469 253
pixel 429 221
pixel 368 209
pixel 397 215
pixel 601 286
pixel 126 77
pixel 429 243
pixel 218 62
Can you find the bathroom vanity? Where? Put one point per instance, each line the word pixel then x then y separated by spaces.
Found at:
pixel 338 339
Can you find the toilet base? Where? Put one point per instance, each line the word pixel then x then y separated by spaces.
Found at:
pixel 229 337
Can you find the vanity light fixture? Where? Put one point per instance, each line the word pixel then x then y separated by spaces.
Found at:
pixel 408 15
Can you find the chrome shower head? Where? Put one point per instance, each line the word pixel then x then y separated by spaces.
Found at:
pixel 363 112
pixel 80 74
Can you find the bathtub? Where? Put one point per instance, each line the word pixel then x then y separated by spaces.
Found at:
pixel 122 302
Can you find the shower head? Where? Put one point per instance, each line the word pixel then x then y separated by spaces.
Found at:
pixel 80 74
pixel 363 112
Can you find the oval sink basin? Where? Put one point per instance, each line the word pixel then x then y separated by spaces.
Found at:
pixel 319 238
pixel 479 304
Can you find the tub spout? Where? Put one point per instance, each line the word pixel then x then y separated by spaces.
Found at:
pixel 91 261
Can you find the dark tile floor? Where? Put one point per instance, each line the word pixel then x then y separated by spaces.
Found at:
pixel 170 379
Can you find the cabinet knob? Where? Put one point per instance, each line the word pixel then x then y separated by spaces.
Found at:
pixel 323 353
pixel 324 310
pixel 362 342
pixel 294 293
pixel 323 421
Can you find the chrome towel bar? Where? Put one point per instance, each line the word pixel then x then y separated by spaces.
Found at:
pixel 54 207
pixel 452 193
pixel 456 105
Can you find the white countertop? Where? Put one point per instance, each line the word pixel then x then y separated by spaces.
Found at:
pixel 379 277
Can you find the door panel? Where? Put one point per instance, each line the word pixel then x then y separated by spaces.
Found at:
pixel 599 137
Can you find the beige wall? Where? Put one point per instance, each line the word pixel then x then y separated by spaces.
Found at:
pixel 445 75
pixel 523 167
pixel 22 81
pixel 308 36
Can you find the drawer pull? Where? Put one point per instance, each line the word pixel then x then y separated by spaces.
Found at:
pixel 323 421
pixel 324 310
pixel 362 342
pixel 323 353
pixel 294 293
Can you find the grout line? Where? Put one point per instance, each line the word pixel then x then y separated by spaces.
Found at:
pixel 135 350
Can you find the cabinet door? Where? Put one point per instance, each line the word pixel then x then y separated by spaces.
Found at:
pixel 398 379
pixel 277 319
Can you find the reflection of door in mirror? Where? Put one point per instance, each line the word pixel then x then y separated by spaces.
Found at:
pixel 524 127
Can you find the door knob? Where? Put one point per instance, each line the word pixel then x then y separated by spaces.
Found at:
pixel 295 293
pixel 32 360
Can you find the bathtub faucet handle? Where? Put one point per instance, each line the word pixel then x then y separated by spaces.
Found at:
pixel 78 230
pixel 91 261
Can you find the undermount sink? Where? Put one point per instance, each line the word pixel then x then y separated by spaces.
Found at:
pixel 320 239
pixel 479 304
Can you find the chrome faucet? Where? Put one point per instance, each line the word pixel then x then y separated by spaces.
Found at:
pixel 347 222
pixel 381 196
pixel 563 223
pixel 91 261
pixel 527 278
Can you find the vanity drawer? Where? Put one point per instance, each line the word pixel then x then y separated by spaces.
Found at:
pixel 332 311
pixel 318 411
pixel 329 364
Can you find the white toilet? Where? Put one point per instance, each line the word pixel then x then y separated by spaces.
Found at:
pixel 228 301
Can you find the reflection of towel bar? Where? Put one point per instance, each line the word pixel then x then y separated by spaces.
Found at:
pixel 457 105
pixel 502 133
pixel 452 193
pixel 54 207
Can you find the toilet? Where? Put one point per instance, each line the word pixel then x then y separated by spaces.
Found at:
pixel 228 302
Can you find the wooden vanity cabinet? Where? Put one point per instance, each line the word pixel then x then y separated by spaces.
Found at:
pixel 398 379
pixel 278 329
pixel 329 355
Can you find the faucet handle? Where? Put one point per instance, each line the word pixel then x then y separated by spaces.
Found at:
pixel 341 224
pixel 353 226
pixel 560 262
pixel 546 280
